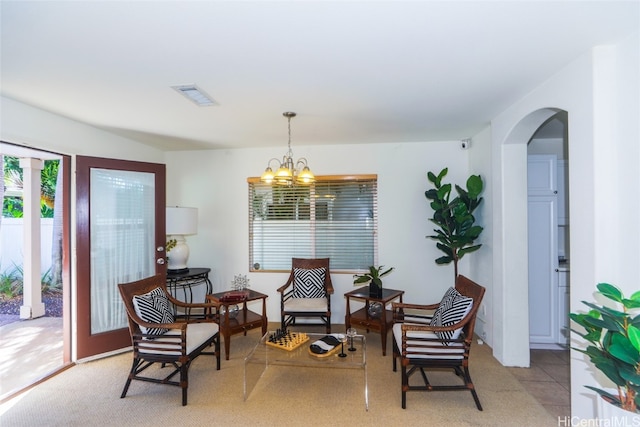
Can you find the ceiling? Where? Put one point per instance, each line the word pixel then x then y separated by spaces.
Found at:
pixel 354 72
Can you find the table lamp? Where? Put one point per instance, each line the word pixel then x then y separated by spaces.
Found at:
pixel 181 221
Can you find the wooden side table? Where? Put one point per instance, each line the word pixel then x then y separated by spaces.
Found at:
pixel 362 317
pixel 244 321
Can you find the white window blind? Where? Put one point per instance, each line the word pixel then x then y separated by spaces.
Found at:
pixel 336 217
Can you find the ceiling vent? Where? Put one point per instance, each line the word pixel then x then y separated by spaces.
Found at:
pixel 196 95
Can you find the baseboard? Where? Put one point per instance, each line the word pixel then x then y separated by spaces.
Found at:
pixel 547 346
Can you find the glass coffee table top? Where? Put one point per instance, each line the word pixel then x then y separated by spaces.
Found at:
pixel 263 355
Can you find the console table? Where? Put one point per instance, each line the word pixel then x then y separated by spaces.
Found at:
pixel 362 317
pixel 245 318
pixel 185 281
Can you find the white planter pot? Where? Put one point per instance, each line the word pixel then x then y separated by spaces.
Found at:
pixel 611 415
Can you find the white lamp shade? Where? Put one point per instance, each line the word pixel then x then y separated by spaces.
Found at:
pixel 181 221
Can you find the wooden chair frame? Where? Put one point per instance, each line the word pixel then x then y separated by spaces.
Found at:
pixel 171 347
pixel 418 354
pixel 288 317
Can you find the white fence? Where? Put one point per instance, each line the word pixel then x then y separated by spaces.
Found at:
pixel 12 243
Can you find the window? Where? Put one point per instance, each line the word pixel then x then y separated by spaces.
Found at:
pixel 336 217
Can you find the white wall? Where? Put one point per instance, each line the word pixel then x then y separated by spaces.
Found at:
pixel 600 93
pixel 215 182
pixel 481 262
pixel 26 125
pixel 11 244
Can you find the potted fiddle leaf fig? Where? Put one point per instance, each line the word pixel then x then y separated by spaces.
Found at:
pixel 613 335
pixel 373 278
pixel 457 231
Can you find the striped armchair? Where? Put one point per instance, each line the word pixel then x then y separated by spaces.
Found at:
pixel 158 337
pixel 307 293
pixel 437 336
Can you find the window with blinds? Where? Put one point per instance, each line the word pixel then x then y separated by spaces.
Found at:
pixel 335 217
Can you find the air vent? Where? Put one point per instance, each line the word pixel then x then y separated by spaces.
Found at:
pixel 196 95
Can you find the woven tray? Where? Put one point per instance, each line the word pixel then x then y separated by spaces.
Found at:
pixel 328 353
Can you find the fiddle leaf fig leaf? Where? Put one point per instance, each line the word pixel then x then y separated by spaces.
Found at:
pixel 622 349
pixel 474 186
pixel 432 178
pixel 442 173
pixel 634 337
pixel 635 296
pixel 610 291
pixel 630 303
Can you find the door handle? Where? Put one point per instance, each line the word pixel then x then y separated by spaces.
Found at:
pixel 160 261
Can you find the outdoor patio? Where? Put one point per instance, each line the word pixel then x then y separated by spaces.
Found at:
pixel 29 351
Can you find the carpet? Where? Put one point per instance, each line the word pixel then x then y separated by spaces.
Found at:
pixel 89 395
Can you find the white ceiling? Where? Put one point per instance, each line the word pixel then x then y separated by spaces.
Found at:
pixel 355 72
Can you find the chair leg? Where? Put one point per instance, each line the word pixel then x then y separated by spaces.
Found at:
pixel 132 374
pixel 471 387
pixel 405 386
pixel 217 347
pixel 184 382
pixel 395 353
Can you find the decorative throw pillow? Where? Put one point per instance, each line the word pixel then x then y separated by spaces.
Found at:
pixel 308 283
pixel 451 310
pixel 153 307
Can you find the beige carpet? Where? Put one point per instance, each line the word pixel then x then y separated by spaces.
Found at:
pixel 89 395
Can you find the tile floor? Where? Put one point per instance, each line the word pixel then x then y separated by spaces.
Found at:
pixel 548 380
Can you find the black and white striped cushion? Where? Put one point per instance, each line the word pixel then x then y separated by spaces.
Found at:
pixel 451 310
pixel 308 283
pixel 153 307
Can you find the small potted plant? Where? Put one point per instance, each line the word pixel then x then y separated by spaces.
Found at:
pixel 373 278
pixel 614 344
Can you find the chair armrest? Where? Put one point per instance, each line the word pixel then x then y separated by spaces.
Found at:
pixel 403 305
pixel 429 328
pixel 210 310
pixel 329 289
pixel 183 304
pixel 282 288
pixel 417 313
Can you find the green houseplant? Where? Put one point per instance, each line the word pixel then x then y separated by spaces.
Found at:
pixel 457 231
pixel 614 344
pixel 373 278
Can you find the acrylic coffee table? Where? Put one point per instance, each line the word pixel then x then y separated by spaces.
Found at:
pixel 263 356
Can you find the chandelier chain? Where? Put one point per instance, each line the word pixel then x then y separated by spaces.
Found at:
pixel 289 115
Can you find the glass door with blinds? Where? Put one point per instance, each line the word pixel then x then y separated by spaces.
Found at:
pixel 120 232
pixel 336 217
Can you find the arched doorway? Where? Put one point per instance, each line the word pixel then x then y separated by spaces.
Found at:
pixel 511 293
pixel 548 235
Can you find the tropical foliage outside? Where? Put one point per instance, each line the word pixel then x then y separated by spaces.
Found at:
pixel 11 280
pixel 12 205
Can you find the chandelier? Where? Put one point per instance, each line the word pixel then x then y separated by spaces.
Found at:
pixel 288 172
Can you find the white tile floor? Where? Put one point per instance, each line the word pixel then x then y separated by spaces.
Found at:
pixel 548 380
pixel 36 343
